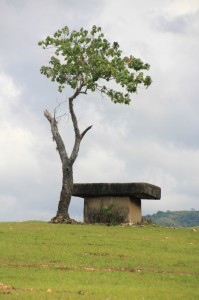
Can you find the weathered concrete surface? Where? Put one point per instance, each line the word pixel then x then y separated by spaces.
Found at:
pixel 121 210
pixel 119 202
pixel 139 190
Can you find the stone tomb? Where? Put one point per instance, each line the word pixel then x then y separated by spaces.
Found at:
pixel 114 202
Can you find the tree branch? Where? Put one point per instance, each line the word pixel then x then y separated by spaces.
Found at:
pixel 73 116
pixel 56 136
pixel 71 109
pixel 85 131
pixel 75 151
pixel 78 136
pixel 78 139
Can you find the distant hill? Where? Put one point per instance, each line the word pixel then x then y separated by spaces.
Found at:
pixel 175 218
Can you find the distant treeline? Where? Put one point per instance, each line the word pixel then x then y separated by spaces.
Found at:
pixel 174 218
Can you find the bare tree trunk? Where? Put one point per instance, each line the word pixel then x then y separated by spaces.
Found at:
pixel 62 215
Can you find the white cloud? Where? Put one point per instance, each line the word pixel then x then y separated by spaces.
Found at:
pixel 9 95
pixel 24 166
pixel 182 7
pixel 100 165
pixel 16 140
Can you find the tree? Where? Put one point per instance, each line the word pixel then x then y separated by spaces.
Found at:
pixel 86 62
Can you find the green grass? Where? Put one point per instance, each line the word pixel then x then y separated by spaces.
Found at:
pixel 46 261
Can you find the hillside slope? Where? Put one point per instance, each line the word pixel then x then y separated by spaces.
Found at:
pixel 175 218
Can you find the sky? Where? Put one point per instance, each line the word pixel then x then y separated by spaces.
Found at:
pixel 155 139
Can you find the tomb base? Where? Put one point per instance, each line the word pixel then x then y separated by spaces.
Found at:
pixel 112 210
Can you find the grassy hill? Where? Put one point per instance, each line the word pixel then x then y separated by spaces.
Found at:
pixel 47 261
pixel 175 218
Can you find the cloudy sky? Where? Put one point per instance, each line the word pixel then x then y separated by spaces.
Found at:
pixel 154 140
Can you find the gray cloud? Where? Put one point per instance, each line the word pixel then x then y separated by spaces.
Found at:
pixel 174 25
pixel 187 24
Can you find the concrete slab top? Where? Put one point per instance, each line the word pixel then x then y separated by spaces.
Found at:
pixel 139 190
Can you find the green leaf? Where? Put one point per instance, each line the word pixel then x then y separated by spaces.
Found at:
pixel 83 58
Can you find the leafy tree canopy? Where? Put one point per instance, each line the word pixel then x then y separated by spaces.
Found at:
pixel 86 60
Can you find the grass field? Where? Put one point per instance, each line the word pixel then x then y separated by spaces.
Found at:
pixel 46 261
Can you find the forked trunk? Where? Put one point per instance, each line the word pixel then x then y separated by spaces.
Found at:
pixel 62 215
